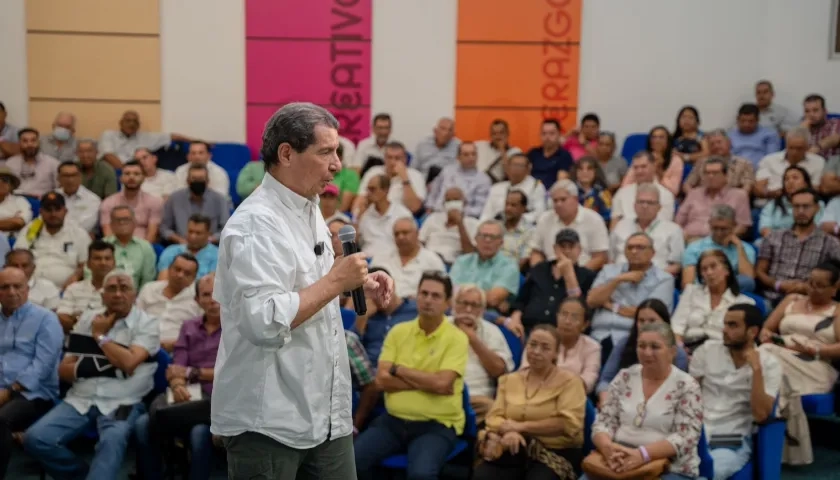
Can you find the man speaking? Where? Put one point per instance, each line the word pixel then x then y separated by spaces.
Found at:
pixel 282 390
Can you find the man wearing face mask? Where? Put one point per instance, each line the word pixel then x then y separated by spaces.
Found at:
pixel 197 198
pixel 448 232
pixel 61 143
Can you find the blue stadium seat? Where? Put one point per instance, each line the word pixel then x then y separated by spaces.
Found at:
pixel 348 317
pixel 158 249
pixel 515 344
pixel 232 157
pixel 633 144
pixel 707 464
pixel 687 168
pixel 834 115
pixel 163 361
pixel 759 302
pixel 400 461
pixel 35 203
pixel 819 404
pixel 589 419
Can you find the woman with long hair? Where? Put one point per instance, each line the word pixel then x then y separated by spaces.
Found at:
pixel 669 164
pixel 688 139
pixel 593 191
pixel 649 311
pixel 703 304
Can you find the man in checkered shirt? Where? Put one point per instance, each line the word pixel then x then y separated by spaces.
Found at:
pixel 363 375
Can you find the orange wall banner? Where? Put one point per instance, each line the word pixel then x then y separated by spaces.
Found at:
pixel 518 61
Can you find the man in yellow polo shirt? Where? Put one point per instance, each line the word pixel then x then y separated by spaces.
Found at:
pixel 421 370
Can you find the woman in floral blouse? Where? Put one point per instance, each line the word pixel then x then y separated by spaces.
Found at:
pixel 593 191
pixel 653 411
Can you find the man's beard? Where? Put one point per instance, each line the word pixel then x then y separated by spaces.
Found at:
pixel 736 344
pixel 30 152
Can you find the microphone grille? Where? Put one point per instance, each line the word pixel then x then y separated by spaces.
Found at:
pixel 347 233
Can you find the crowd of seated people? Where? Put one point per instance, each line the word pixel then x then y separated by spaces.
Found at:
pixel 535 277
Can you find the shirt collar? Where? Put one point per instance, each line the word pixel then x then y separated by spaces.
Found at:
pixel 422 333
pixel 21 310
pixel 289 198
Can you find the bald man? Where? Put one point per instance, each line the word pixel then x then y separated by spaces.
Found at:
pixel 32 338
pixel 61 142
pixel 438 149
pixel 118 146
pixel 407 263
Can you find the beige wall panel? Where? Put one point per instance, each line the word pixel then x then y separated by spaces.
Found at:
pixel 92 118
pixel 103 16
pixel 93 67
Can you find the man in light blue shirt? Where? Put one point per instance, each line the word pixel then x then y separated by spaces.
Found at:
pixel 749 139
pixel 489 267
pixel 437 150
pixel 619 288
pixel 30 348
pixel 198 244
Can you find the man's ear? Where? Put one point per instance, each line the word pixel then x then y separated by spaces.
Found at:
pixel 284 154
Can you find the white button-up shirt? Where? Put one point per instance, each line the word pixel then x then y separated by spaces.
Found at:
pixel 531 187
pixel 290 385
pixel 589 225
pixel 42 292
pixel 82 207
pixel 476 377
pixel 171 313
pixel 377 229
pixel 695 318
pixel 107 394
pixel 407 276
pixel 727 390
pixel 115 142
pixel 162 184
pixel 78 298
pixel 15 206
pixel 56 256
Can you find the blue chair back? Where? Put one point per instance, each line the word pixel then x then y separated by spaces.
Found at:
pixel 515 344
pixel 348 317
pixel 707 464
pixel 759 302
pixel 232 157
pixel 158 249
pixel 35 203
pixel 633 144
pixel 588 420
pixel 471 423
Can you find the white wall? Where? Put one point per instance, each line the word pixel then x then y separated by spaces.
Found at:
pixel 203 68
pixel 641 61
pixel 413 72
pixel 13 89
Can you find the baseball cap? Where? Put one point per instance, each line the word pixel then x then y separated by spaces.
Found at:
pixel 52 199
pixel 567 235
pixel 14 181
pixel 330 189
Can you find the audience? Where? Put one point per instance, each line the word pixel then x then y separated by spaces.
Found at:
pixel 518 229
pixel 643 170
pixel 110 362
pixel 373 146
pixel 548 283
pixel 147 208
pixel 699 315
pixel 36 170
pixel 29 357
pixel 739 384
pixel 650 311
pixel 489 356
pixel 802 335
pixel 464 175
pixel 664 167
pixel 824 132
pixel 593 191
pixel 438 150
pixel 740 172
pixel 770 173
pixel 98 176
pixel 550 161
pixel 778 214
pixel 117 147
pixel 409 260
pixel 408 185
pixel 614 166
pixel 196 199
pixel 85 295
pixel 134 255
pixel 60 247
pixel 61 143
pixel 518 173
pixel 449 232
pixel 421 370
pixel 535 427
pixel 157 181
pixel 40 291
pixel 376 223
pixel 653 412
pixel 82 204
pixel 182 415
pixel 494 155
pixel 15 211
pixel 688 140
pixel 197 243
pixel 749 139
pixel 216 179
pixel 772 114
pixel 171 302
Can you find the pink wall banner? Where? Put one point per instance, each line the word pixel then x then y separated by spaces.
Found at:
pixel 315 51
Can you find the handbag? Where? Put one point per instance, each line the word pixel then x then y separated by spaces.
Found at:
pixel 596 468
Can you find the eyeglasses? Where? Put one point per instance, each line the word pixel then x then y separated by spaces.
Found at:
pixel 637 248
pixel 641 413
pixel 487 236
pixel 647 203
pixel 466 304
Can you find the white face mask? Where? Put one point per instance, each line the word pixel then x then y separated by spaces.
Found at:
pixel 62 134
pixel 453 205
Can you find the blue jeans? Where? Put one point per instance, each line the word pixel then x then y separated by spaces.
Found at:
pixel 427 444
pixel 47 441
pixel 149 451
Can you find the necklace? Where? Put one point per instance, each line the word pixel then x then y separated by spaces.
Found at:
pixel 542 382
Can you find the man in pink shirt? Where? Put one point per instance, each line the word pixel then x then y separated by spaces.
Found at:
pixel 695 211
pixel 148 209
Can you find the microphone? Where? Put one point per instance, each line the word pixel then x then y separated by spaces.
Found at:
pixel 347 235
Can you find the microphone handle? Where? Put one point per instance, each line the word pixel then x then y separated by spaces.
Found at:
pixel 349 248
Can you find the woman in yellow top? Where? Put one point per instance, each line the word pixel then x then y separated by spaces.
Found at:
pixel 535 427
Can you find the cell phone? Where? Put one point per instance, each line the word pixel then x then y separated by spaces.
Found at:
pixel 778 340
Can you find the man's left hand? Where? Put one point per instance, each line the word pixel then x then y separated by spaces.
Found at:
pixel 380 286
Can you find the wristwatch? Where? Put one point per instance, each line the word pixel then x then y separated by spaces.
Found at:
pixel 393 370
pixel 102 339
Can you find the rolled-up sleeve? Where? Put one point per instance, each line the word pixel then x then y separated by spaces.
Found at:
pixel 263 300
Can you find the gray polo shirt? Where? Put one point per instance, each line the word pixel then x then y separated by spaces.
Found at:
pixel 36 178
pixel 179 207
pixel 65 152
